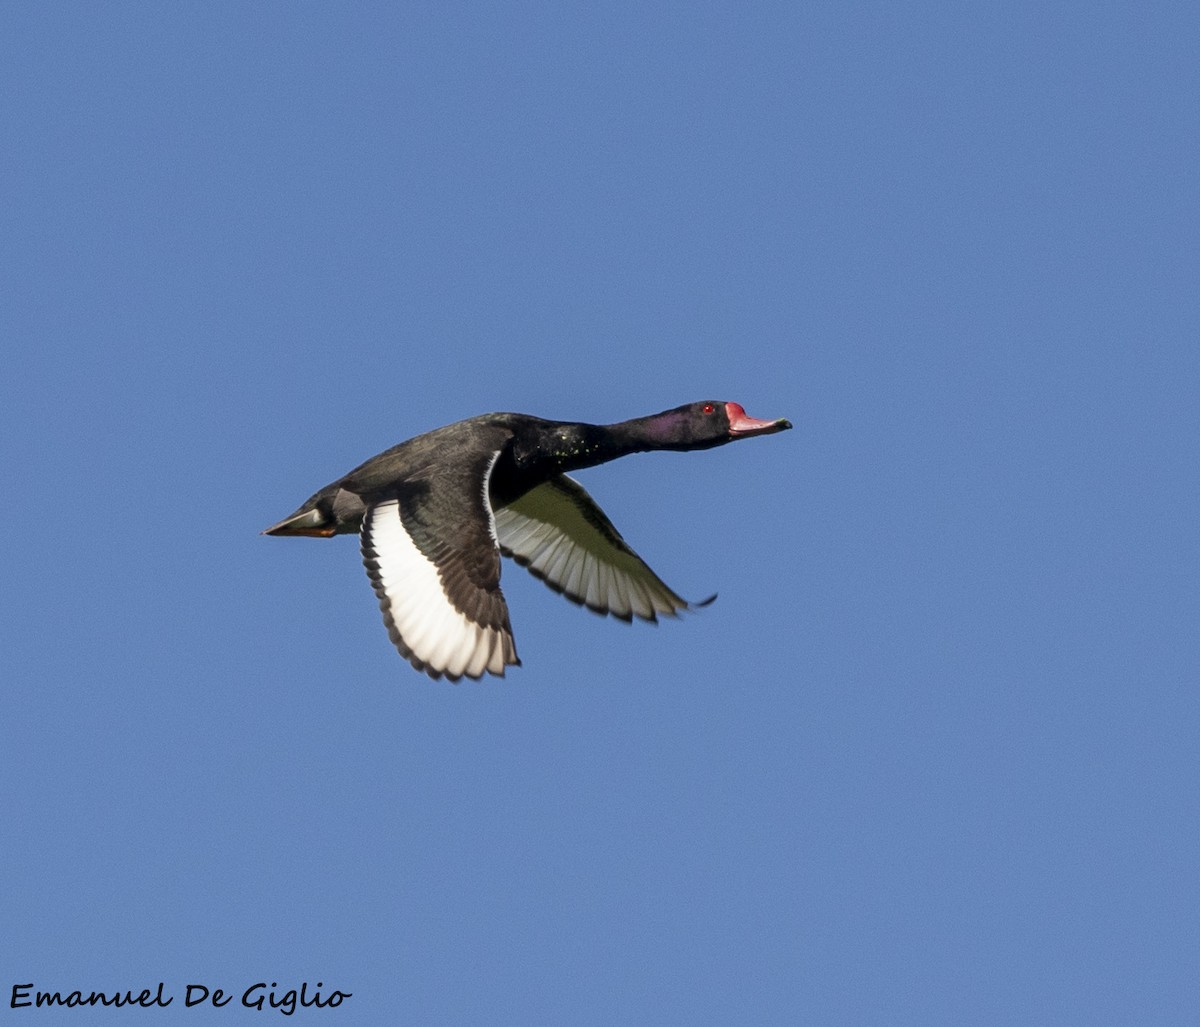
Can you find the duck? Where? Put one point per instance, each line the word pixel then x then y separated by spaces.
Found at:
pixel 436 513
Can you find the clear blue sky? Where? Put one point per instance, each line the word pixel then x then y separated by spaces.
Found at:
pixel 931 757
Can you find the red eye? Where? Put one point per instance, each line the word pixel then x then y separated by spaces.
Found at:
pixel 709 408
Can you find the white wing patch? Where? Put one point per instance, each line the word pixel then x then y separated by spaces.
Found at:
pixel 487 499
pixel 422 622
pixel 559 533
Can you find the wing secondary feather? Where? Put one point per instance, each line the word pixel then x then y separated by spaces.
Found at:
pixel 557 531
pixel 439 591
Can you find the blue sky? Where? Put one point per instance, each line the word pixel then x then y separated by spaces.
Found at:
pixel 931 756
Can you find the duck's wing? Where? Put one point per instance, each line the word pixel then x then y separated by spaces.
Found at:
pixel 429 546
pixel 557 531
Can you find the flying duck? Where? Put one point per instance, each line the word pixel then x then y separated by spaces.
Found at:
pixel 436 513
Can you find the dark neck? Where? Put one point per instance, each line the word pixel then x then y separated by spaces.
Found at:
pixel 554 448
pixel 575 446
pixel 658 431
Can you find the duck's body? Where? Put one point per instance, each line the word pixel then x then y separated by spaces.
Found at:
pixel 436 512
